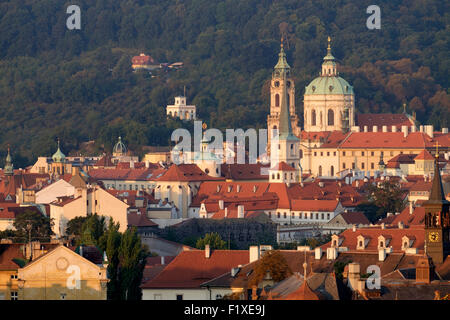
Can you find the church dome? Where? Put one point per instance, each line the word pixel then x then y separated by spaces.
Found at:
pixel 329 85
pixel 329 81
pixel 58 156
pixel 119 148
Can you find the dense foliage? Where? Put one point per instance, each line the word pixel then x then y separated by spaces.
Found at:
pixel 273 264
pixel 77 84
pixel 213 239
pixel 386 197
pixel 32 225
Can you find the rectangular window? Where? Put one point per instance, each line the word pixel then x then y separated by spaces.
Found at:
pixel 179 297
pixel 321 154
pixel 300 215
pixel 328 154
pixel 362 153
pixel 322 216
pixel 328 216
pixel 278 215
pixel 315 154
pixel 372 166
pixel 343 165
pixel 362 165
pixel 14 295
pixel 14 276
pixel 372 153
pixel 317 216
pixel 157 296
pixel 343 153
pixel 353 165
pixel 334 153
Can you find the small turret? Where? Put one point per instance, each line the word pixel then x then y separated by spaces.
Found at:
pixel 9 168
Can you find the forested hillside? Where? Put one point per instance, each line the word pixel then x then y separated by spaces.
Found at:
pixel 78 85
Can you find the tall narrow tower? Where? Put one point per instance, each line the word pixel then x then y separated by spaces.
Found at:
pixel 281 77
pixel 437 221
pixel 285 145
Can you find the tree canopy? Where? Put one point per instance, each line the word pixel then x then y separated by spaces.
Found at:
pixel 77 84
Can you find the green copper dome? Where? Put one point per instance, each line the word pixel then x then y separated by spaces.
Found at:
pixel 58 156
pixel 119 148
pixel 329 85
pixel 329 81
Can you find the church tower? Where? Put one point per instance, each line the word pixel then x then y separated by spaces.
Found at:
pixel 284 150
pixel 276 87
pixel 437 221
pixel 329 100
pixel 9 168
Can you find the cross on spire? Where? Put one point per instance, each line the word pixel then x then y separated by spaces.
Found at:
pixel 437 145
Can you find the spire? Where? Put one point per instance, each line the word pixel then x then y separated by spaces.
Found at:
pixel 285 129
pixel 9 168
pixel 58 156
pixel 282 65
pixel 437 191
pixel 329 65
pixel 329 56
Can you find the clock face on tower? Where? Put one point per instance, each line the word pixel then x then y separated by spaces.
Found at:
pixel 433 236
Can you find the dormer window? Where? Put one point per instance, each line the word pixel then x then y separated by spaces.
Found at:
pixel 383 241
pixel 362 242
pixel 407 242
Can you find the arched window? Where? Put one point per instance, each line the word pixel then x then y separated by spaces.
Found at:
pixel 330 117
pixel 277 100
pixel 186 115
pixel 288 101
pixel 320 118
pixel 332 170
pixel 278 176
pixel 320 171
pixel 175 114
pixel 313 117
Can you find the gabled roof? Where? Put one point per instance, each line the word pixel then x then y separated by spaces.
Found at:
pixel 138 219
pixel 243 171
pixel 314 205
pixel 186 172
pixel 9 252
pixel 282 166
pixel 424 155
pixel 191 268
pixel 355 217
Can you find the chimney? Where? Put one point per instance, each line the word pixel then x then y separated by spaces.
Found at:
pixel 384 128
pixel 411 208
pixel 162 260
pixel 366 128
pixel 147 164
pixel 354 275
pixel 240 211
pixel 375 129
pixel 400 225
pixel 131 164
pixel 444 130
pixel 429 130
pixel 383 225
pixel 394 128
pixel 405 131
pixel 381 254
pixel 254 253
pixel 354 228
pixel 332 253
pixel 421 129
pixel 413 129
pixel 207 251
pixel 221 205
pixel 238 188
pixel 226 212
pixel 318 253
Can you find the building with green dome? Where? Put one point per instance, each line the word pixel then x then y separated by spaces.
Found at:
pixel 329 100
pixel 8 170
pixel 58 163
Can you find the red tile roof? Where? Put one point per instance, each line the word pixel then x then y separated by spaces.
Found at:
pixel 350 237
pixel 8 252
pixel 314 205
pixel 104 161
pixel 355 217
pixel 145 174
pixel 424 155
pixel 139 220
pixel 382 119
pixel 186 172
pixel 142 60
pixel 395 140
pixel 243 171
pixel 191 268
pixel 282 166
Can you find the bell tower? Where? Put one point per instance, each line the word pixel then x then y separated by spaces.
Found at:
pixel 437 221
pixel 281 78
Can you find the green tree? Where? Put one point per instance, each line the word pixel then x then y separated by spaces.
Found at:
pixel 213 239
pixel 92 230
pixel 111 243
pixel 75 225
pixel 33 223
pixel 132 263
pixel 388 197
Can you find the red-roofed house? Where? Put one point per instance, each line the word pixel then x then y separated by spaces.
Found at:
pixel 183 277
